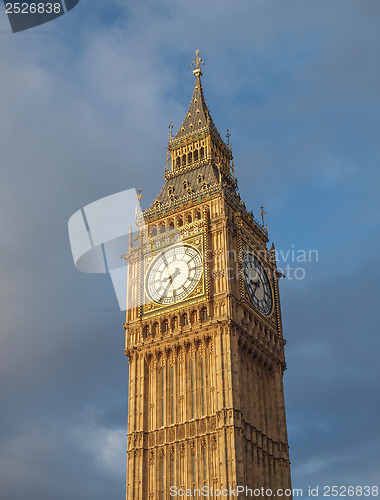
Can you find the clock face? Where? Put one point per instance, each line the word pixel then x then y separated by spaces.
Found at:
pixel 174 274
pixel 257 283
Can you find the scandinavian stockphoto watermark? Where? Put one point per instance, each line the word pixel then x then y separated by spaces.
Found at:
pixel 107 229
pixel 292 262
pixel 103 232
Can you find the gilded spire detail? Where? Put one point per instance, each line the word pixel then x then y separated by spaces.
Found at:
pixel 198 119
pixel 199 130
pixel 262 213
pixel 170 135
pixel 197 63
pixel 228 135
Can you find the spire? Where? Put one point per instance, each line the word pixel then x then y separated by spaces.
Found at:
pixel 198 118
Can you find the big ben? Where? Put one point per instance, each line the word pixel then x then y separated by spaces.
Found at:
pixel 203 329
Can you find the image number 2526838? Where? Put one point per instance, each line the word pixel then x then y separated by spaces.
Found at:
pixel 29 14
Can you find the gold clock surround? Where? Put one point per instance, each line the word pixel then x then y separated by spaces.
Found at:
pixel 268 272
pixel 151 306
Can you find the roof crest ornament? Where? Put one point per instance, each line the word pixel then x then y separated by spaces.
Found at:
pixel 197 63
pixel 228 135
pixel 262 213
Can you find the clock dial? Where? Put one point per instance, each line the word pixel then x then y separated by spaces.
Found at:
pixel 174 274
pixel 257 283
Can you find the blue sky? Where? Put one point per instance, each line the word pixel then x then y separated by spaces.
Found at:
pixel 86 102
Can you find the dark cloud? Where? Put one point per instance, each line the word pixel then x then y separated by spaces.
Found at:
pixel 333 377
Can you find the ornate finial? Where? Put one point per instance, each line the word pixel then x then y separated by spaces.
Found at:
pixel 262 213
pixel 130 237
pixel 170 131
pixel 140 196
pixel 228 135
pixel 197 62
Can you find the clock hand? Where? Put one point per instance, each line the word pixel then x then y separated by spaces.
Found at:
pixel 170 278
pixel 257 283
pixel 176 273
pixel 163 294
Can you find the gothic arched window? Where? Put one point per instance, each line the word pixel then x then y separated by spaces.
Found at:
pixel 194 316
pixel 174 322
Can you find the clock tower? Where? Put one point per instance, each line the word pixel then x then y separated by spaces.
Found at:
pixel 203 331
